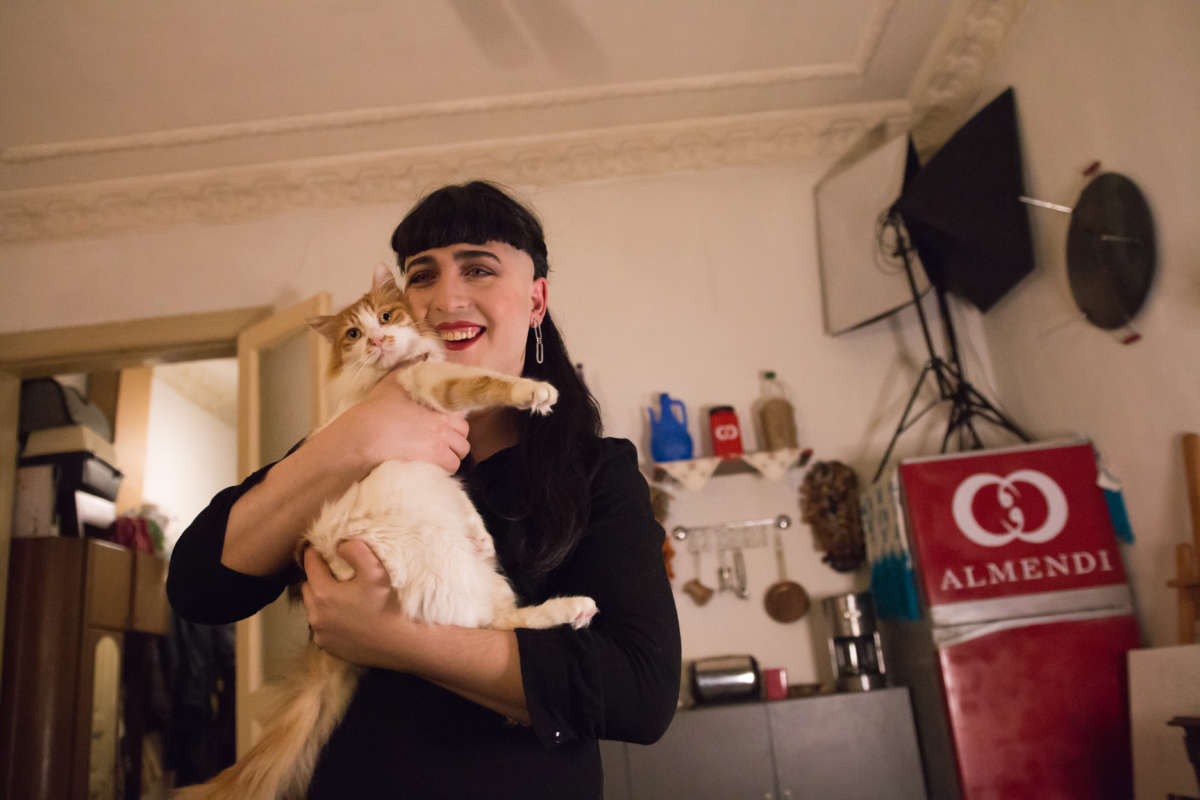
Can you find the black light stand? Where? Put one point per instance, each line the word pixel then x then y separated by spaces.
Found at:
pixel 966 402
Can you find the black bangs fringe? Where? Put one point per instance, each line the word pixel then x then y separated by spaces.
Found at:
pixel 472 213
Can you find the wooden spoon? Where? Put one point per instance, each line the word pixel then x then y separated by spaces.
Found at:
pixel 785 600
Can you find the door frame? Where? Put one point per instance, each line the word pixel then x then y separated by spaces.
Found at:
pixel 251 697
pixel 102 347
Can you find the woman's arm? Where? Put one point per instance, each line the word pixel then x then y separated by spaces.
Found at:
pixel 618 679
pixel 234 558
pixel 265 523
pixel 360 621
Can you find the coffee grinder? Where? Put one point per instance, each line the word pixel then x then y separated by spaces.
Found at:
pixel 854 642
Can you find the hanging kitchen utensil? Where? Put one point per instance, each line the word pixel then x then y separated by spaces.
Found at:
pixel 724 573
pixel 785 600
pixel 739 568
pixel 695 588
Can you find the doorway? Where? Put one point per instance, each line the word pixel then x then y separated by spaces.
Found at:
pixel 271 407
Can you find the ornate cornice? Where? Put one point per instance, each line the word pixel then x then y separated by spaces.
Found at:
pixel 246 192
pixel 952 78
pixel 944 89
pixel 872 32
pixel 423 111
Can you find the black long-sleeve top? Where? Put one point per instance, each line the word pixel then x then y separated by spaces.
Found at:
pixel 404 737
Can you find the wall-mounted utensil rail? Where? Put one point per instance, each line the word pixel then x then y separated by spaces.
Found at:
pixel 738 535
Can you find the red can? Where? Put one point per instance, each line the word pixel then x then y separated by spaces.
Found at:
pixel 726 433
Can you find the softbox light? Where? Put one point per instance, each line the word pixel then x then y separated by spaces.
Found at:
pixel 963 213
pixel 858 283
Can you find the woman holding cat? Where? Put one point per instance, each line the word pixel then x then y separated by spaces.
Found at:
pixel 567 509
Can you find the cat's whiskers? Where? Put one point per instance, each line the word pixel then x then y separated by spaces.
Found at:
pixel 354 377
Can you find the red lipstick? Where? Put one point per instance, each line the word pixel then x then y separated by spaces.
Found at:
pixel 459 335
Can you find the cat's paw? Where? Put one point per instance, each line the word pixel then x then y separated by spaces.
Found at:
pixel 583 609
pixel 545 396
pixel 538 396
pixel 341 568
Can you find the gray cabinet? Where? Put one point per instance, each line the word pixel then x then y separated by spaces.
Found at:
pixel 616 770
pixel 859 746
pixel 834 747
pixel 720 752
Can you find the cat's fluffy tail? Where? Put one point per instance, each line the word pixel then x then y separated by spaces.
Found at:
pixel 281 764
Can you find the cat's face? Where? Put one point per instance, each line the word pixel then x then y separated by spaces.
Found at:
pixel 378 331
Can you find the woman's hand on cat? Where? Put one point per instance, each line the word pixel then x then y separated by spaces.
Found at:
pixel 389 425
pixel 346 617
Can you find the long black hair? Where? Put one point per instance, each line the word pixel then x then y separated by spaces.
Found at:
pixel 556 453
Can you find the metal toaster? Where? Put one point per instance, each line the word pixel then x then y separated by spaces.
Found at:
pixel 725 679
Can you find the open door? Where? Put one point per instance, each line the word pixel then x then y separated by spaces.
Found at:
pixel 281 397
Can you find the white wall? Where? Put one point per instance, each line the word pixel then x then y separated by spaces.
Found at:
pixel 1119 81
pixel 190 456
pixel 688 283
pixel 694 284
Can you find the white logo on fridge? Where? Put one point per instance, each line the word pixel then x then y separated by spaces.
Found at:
pixel 1007 494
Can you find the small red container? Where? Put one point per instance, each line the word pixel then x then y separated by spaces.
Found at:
pixel 726 432
pixel 775 681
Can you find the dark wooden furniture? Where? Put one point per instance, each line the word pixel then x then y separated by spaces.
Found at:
pixel 70 602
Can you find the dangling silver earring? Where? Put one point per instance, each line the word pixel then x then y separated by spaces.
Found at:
pixel 538 350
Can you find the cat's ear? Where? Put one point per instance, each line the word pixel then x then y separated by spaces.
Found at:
pixel 327 326
pixel 397 276
pixel 384 275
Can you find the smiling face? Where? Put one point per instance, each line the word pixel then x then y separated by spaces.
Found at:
pixel 481 298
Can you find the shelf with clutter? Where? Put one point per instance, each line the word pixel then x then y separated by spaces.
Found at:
pixel 671 444
pixel 694 473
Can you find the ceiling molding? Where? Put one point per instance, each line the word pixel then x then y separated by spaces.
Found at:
pixel 943 90
pixel 950 80
pixel 873 29
pixel 237 194
pixel 872 34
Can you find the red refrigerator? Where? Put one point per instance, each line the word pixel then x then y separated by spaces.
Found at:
pixel 1016 657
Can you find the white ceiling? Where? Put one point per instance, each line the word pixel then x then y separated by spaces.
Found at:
pixel 211 384
pixel 174 93
pixel 90 70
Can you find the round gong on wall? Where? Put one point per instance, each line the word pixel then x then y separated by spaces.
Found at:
pixel 1110 250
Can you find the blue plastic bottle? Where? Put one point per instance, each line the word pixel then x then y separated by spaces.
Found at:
pixel 669 438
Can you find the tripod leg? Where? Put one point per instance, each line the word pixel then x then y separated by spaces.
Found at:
pixel 1001 420
pixel 952 424
pixel 903 418
pixel 961 412
pixel 970 426
pixel 949 375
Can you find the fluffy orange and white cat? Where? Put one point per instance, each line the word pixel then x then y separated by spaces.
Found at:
pixel 417 520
